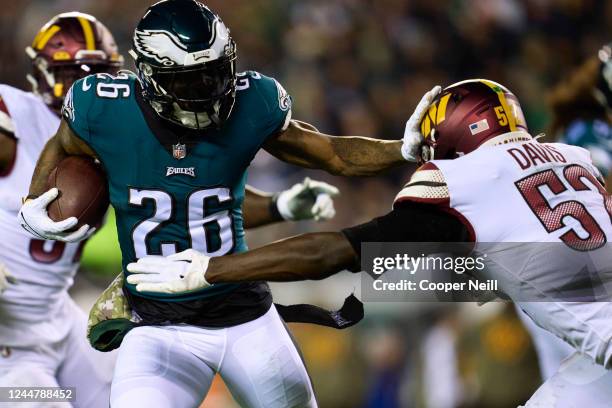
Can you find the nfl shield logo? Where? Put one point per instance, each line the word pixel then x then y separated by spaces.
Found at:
pixel 179 151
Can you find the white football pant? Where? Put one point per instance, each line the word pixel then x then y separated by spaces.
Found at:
pixel 174 366
pixel 551 349
pixel 579 383
pixel 70 362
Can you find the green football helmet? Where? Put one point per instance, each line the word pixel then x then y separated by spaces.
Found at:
pixel 186 63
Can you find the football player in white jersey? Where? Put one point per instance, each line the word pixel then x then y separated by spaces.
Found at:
pixel 486 180
pixel 42 331
pixel 41 328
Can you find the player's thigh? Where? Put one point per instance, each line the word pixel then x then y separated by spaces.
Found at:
pixel 88 370
pixel 154 369
pixel 263 368
pixel 584 325
pixel 579 383
pixel 551 349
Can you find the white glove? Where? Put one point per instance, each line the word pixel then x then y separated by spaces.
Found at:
pixel 33 218
pixel 412 134
pixel 5 278
pixel 182 272
pixel 307 200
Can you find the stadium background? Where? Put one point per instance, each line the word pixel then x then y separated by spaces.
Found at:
pixel 358 67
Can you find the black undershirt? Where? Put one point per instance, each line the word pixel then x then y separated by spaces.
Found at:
pixel 408 222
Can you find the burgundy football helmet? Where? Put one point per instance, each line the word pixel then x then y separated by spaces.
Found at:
pixel 67 48
pixel 467 114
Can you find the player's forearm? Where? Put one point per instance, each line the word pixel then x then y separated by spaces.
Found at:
pixel 299 144
pixel 51 156
pixel 259 208
pixel 362 156
pixel 309 256
pixel 63 144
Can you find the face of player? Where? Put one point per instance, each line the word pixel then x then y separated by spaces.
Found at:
pixel 53 87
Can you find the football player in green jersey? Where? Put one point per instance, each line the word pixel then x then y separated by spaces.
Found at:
pixel 175 141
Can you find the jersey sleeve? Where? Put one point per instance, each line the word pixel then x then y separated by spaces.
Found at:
pixel 409 222
pixel 427 185
pixel 77 105
pixel 6 122
pixel 277 103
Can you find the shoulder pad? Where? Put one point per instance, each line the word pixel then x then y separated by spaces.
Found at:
pixel 273 93
pixel 265 98
pixel 427 185
pixel 86 92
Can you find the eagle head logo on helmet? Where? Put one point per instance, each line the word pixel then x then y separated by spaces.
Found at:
pixel 469 114
pixel 186 63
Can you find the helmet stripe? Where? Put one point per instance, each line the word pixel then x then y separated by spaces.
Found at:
pixel 442 108
pixel 426 126
pixel 44 36
pixel 433 110
pixel 90 42
pixel 504 103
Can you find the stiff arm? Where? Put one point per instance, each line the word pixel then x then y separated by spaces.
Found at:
pixel 301 144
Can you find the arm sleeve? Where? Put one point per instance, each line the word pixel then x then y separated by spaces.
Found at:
pixel 409 222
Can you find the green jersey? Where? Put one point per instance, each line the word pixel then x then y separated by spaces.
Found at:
pixel 595 135
pixel 173 188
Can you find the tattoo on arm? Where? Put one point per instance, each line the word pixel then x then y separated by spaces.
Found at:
pixel 259 208
pixel 348 156
pixel 64 143
pixel 308 256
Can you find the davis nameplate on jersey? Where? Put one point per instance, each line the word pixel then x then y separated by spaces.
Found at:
pixel 179 151
pixel 187 171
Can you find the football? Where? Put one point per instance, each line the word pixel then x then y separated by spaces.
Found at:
pixel 83 191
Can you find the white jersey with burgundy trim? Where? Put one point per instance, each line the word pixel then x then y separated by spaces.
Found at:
pixel 529 192
pixel 520 192
pixel 33 308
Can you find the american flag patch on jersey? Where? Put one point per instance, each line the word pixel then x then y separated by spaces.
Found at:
pixel 479 126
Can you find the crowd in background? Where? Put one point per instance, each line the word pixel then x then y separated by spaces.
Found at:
pixel 358 67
